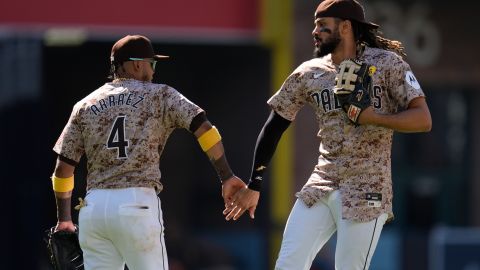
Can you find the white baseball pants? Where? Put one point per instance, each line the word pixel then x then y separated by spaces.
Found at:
pixel 119 226
pixel 308 229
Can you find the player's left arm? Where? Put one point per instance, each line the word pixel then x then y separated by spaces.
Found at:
pixel 416 118
pixel 62 181
pixel 70 148
pixel 407 94
pixel 211 143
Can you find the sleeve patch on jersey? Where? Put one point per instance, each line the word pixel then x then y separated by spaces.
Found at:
pixel 374 199
pixel 374 204
pixel 411 80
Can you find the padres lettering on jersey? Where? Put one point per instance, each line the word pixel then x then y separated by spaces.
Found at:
pixel 122 127
pixel 327 100
pixel 354 160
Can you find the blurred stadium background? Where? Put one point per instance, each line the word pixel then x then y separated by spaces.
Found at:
pixel 229 56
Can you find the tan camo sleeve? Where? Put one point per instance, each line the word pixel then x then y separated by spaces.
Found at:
pixel 180 110
pixel 290 98
pixel 405 86
pixel 70 144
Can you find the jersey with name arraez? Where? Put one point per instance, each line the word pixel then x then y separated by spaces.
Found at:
pixel 354 160
pixel 122 127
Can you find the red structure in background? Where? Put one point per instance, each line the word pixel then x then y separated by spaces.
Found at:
pixel 242 15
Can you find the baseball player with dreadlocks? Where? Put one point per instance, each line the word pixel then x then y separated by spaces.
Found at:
pixel 122 127
pixel 362 91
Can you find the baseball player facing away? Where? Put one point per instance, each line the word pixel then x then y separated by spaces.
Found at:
pixel 350 189
pixel 122 127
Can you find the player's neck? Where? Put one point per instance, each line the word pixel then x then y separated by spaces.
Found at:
pixel 126 76
pixel 346 49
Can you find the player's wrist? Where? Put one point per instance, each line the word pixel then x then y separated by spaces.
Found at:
pixel 256 179
pixel 63 209
pixel 255 183
pixel 64 218
pixel 368 116
pixel 223 181
pixel 223 169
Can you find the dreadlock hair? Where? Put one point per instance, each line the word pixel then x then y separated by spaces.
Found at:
pixel 115 70
pixel 372 37
pixel 112 71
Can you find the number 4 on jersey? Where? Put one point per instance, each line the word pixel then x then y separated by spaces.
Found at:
pixel 116 139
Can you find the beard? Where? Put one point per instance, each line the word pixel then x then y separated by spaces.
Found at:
pixel 328 46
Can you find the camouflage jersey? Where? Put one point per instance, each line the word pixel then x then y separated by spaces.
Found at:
pixel 122 127
pixel 354 160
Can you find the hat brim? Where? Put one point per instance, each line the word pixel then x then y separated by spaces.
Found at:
pixel 371 25
pixel 160 57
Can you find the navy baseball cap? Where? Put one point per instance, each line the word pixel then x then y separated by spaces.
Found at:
pixel 133 46
pixel 343 9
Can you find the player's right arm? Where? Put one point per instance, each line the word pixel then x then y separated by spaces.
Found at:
pixel 267 141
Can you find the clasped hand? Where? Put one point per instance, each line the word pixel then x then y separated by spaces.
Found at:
pixel 238 199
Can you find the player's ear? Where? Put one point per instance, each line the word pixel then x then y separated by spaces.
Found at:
pixel 137 65
pixel 345 27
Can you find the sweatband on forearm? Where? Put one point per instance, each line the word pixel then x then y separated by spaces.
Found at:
pixel 62 184
pixel 208 139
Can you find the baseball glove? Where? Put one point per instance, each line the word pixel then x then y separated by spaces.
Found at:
pixel 64 250
pixel 353 86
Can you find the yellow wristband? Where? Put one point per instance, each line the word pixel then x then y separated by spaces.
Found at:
pixel 62 184
pixel 209 139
